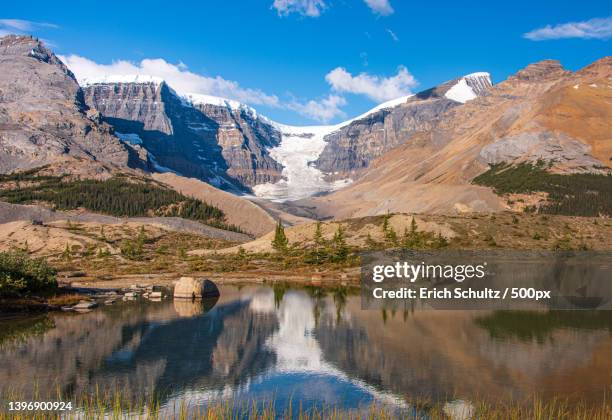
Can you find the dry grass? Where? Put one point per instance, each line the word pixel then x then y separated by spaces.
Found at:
pixel 113 405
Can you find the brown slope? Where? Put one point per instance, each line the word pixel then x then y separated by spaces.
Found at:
pixel 238 211
pixel 432 172
pixel 582 108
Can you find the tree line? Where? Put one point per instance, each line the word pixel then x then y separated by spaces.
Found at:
pixel 117 196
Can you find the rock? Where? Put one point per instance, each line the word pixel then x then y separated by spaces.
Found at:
pixel 44 116
pixel 110 301
pixel 209 140
pixel 84 305
pixel 349 150
pixel 191 288
pixel 130 295
pixel 155 295
pixel 562 151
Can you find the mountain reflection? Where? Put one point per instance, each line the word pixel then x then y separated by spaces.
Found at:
pixel 310 345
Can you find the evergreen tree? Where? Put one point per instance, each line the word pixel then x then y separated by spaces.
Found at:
pixel 318 255
pixel 340 249
pixel 388 231
pixel 280 242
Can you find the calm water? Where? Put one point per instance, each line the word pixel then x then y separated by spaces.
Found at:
pixel 310 346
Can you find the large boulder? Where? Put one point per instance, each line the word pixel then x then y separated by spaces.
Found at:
pixel 192 288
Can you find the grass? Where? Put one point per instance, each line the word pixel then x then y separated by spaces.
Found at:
pixel 103 405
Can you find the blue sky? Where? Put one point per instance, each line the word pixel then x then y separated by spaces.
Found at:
pixel 300 61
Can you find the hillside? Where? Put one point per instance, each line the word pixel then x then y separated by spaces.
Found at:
pixel 543 113
pixel 238 211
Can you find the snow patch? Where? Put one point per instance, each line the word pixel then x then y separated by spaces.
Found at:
pixel 131 138
pixel 469 87
pixel 192 99
pixel 461 92
pixel 120 78
pixel 159 167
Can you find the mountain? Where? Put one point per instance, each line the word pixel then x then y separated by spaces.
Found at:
pixel 44 119
pixel 217 140
pixel 350 149
pixel 231 146
pixel 320 159
pixel 542 115
pixel 459 146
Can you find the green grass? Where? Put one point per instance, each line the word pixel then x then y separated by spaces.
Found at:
pixel 575 194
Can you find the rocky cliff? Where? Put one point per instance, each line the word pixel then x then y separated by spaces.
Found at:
pixel 216 142
pixel 351 149
pixel 44 118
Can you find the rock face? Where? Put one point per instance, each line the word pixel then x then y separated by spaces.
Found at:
pixel 352 148
pixel 244 139
pixel 220 143
pixel 566 153
pixel 43 117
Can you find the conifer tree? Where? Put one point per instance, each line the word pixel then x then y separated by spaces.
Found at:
pixel 318 253
pixel 280 242
pixel 340 249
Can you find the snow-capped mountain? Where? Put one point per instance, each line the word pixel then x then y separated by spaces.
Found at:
pixel 214 139
pixel 230 145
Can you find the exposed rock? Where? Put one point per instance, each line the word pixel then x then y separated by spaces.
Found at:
pixel 85 305
pixel 565 153
pixel 43 117
pixel 219 143
pixel 542 71
pixel 352 148
pixel 191 288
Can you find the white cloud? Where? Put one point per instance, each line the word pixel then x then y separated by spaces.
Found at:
pixel 380 7
pixel 311 8
pixel 324 110
pixel 598 28
pixel 392 35
pixel 20 25
pixel 177 76
pixel 378 88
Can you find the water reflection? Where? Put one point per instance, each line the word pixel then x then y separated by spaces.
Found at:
pixel 310 345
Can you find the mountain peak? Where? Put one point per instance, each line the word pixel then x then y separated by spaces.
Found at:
pixel 541 71
pixel 469 87
pixel 602 67
pixel 28 46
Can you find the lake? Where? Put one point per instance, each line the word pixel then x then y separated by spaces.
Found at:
pixel 311 346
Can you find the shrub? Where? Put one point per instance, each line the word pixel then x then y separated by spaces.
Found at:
pixel 20 274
